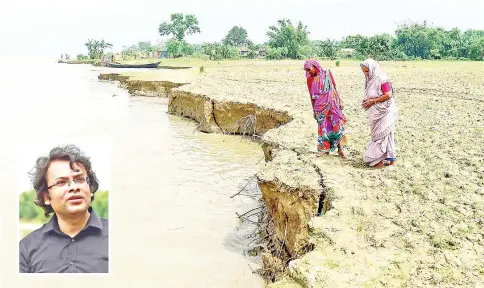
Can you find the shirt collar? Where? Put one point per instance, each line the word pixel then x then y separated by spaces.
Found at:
pixel 93 221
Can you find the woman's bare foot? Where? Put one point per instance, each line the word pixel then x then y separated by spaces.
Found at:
pixel 320 153
pixel 340 153
pixel 393 163
pixel 379 165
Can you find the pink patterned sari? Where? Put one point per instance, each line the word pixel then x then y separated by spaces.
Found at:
pixel 327 108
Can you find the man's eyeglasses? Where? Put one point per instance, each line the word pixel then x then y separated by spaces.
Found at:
pixel 65 183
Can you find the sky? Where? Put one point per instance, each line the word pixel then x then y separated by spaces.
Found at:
pixel 52 27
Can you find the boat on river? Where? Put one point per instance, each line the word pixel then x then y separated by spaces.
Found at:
pixel 146 65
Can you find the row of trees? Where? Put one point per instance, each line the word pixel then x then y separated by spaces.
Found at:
pixel 420 41
pixel 289 40
pixel 181 25
pixel 28 211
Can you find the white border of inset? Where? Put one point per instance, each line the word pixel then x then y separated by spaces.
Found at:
pixel 102 149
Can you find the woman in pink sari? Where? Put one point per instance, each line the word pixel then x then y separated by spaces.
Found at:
pixel 327 108
pixel 382 114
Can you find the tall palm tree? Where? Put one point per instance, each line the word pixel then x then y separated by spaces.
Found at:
pixel 96 48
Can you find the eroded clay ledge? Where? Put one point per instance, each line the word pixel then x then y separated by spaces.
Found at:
pixel 225 117
pixel 141 87
pixel 292 188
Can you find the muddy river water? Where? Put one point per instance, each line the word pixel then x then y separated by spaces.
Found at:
pixel 172 221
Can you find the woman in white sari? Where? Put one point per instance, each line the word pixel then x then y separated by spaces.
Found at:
pixel 382 114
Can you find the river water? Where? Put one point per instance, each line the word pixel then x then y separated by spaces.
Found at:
pixel 172 221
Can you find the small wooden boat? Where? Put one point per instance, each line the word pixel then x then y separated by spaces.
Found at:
pixel 147 65
pixel 173 67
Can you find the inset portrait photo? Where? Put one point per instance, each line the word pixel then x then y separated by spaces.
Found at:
pixel 63 210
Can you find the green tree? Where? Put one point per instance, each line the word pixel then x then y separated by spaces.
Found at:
pixel 27 209
pixel 437 38
pixel 413 39
pixel 227 52
pixel 219 51
pixel 251 54
pixel 359 43
pixel 353 41
pixel 237 36
pixel 174 47
pixel 379 47
pixel 82 57
pixel 180 26
pixel 476 49
pixel 256 47
pixel 304 51
pixel 210 50
pixel 327 48
pixel 145 46
pixel 197 48
pixel 472 44
pixel 96 48
pixel 253 49
pixel 178 48
pixel 101 203
pixel 453 43
pixel 423 41
pixel 286 35
pixel 276 53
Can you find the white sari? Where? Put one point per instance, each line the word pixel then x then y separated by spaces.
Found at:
pixel 382 117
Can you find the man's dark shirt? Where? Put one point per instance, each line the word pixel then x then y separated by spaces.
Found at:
pixel 48 250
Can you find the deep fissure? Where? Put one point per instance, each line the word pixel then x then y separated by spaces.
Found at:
pixel 276 122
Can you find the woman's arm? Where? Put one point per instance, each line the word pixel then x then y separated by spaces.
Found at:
pixel 387 94
pixel 312 104
pixel 382 98
pixel 310 82
pixel 386 88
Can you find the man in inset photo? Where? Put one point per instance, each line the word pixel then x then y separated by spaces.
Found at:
pixel 75 239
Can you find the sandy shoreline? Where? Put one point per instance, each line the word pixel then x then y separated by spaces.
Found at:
pixel 418 225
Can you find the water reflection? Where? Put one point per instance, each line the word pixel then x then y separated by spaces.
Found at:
pixel 172 218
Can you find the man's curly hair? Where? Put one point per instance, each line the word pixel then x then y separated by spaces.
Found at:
pixel 38 175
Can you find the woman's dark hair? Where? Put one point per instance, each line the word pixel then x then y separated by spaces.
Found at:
pixel 38 174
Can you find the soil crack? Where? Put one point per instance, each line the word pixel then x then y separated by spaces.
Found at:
pixel 322 195
pixel 215 118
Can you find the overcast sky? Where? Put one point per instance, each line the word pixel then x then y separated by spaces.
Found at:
pixel 53 27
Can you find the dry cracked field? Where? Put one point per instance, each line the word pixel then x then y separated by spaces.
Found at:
pixel 419 224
